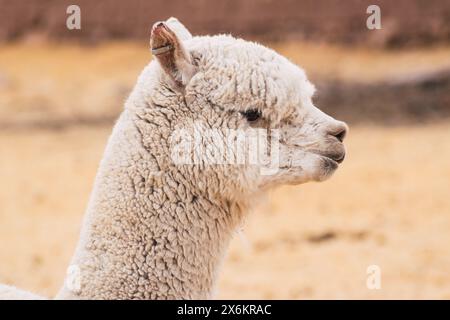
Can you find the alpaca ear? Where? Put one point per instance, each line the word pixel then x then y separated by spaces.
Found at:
pixel 166 42
pixel 180 30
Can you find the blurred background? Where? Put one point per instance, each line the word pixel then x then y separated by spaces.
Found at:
pixel 388 205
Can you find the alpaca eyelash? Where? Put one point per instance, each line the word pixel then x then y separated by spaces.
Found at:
pixel 251 115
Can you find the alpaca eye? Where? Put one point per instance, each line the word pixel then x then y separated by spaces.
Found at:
pixel 251 115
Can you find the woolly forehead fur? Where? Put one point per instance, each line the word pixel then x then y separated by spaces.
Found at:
pixel 241 75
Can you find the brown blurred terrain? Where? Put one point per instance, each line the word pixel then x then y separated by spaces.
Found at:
pixel 54 85
pixel 361 74
pixel 387 205
pixel 405 22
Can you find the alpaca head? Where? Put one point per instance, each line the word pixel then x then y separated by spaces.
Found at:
pixel 250 108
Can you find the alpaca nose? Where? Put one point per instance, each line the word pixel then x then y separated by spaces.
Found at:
pixel 339 131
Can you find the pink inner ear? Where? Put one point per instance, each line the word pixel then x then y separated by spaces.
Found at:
pixel 162 36
pixel 171 54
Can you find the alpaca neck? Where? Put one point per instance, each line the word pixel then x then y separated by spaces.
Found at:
pixel 146 234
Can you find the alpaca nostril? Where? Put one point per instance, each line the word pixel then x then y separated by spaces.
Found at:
pixel 339 133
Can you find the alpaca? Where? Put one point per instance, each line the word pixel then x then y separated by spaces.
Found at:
pixel 157 227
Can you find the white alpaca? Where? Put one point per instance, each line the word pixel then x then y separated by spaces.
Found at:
pixel 156 228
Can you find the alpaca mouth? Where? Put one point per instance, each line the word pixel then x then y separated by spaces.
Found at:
pixel 337 155
pixel 338 158
pixel 333 161
pixel 333 157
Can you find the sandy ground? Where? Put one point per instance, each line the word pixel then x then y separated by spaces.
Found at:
pixel 388 205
